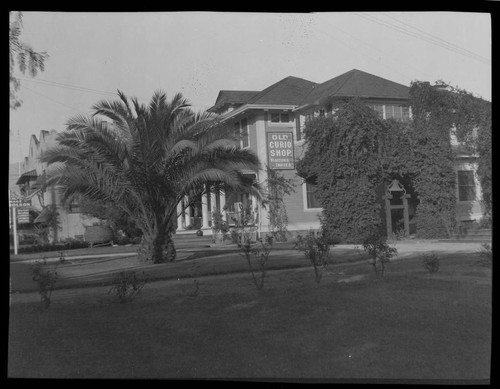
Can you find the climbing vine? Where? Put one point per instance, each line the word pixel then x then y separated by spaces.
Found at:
pixel 278 187
pixel 353 152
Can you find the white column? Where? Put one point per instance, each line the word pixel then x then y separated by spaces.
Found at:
pixel 179 216
pixel 213 202
pixel 187 216
pixel 222 196
pixel 204 210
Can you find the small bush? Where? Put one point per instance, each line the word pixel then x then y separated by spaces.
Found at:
pixel 124 240
pixel 316 248
pixel 45 280
pixel 485 255
pixel 380 252
pixel 430 262
pixel 126 285
pixel 136 240
pixel 259 254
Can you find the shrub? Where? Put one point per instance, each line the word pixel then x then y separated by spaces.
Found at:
pixel 126 285
pixel 316 248
pixel 136 240
pixel 430 262
pixel 45 280
pixel 123 240
pixel 380 252
pixel 220 227
pixel 485 255
pixel 257 254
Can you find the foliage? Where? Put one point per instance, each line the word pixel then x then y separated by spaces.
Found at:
pixel 144 159
pixel 257 254
pixel 345 158
pixel 433 160
pixel 126 286
pixel 69 244
pixel 277 188
pixel 218 222
pixel 21 56
pixel 118 220
pixel 380 252
pixel 45 279
pixel 352 152
pixel 316 248
pixel 485 255
pixel 430 262
pixel 52 223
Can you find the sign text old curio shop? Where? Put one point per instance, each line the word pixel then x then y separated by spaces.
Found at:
pixel 280 150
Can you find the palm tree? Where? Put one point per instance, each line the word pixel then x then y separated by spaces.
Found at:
pixel 146 159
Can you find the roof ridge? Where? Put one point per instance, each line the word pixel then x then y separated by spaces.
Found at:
pixel 265 91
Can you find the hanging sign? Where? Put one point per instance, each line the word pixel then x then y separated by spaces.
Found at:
pixel 280 150
pixel 23 215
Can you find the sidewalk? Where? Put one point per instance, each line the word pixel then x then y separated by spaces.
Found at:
pixel 197 260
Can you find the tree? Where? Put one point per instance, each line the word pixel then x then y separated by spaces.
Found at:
pixel 146 159
pixel 21 56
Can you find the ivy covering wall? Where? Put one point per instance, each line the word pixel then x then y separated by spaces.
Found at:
pixel 352 153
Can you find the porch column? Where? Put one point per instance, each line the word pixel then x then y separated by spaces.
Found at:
pixel 187 216
pixel 222 201
pixel 204 211
pixel 179 216
pixel 213 203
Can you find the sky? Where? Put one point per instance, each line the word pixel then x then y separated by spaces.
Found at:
pixel 92 55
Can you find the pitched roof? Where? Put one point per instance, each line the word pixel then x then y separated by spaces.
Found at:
pixel 228 97
pixel 356 83
pixel 288 91
pixel 28 176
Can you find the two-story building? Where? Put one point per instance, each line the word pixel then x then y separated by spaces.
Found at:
pixel 33 171
pixel 272 120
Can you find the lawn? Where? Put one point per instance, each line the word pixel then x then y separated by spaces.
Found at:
pixel 407 325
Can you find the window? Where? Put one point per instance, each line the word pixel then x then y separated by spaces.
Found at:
pixel 245 141
pixel 241 130
pixel 378 108
pixel 74 207
pixel 312 201
pixel 392 111
pixel 283 117
pixel 298 129
pixel 397 112
pixel 466 185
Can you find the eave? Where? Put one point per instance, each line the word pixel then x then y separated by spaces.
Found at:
pixel 265 107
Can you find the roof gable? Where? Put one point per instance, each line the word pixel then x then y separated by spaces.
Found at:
pixel 356 83
pixel 288 91
pixel 231 97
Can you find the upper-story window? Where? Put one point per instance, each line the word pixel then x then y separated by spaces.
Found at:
pixel 280 117
pixel 392 111
pixel 241 128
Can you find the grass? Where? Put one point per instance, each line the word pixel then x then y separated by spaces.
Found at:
pixel 407 325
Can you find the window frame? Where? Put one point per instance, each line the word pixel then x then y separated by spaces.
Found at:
pixel 290 122
pixel 305 198
pixel 462 186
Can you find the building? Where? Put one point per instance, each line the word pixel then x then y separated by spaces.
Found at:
pixel 72 223
pixel 271 122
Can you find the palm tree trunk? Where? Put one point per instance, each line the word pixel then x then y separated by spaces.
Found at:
pixel 157 246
